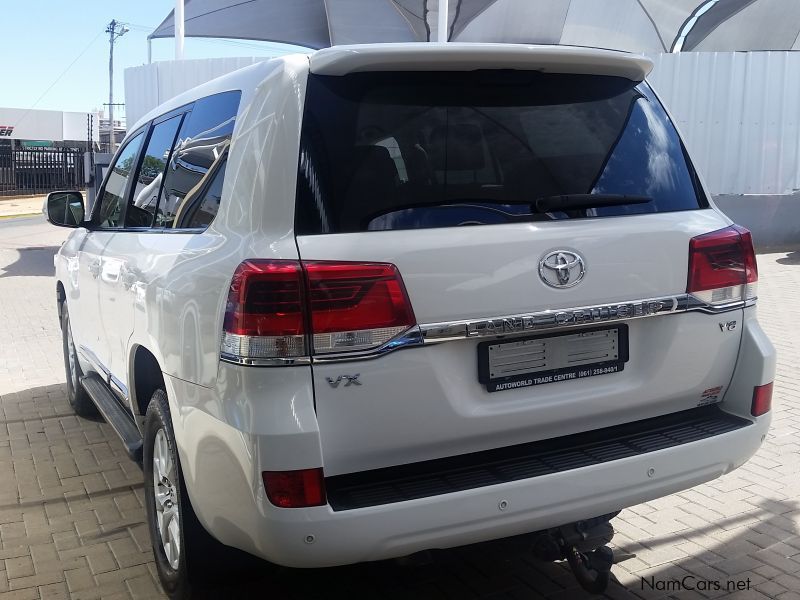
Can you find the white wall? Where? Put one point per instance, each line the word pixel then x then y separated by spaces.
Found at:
pixel 48 125
pixel 148 86
pixel 740 115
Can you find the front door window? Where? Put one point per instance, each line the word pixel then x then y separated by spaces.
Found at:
pixel 112 201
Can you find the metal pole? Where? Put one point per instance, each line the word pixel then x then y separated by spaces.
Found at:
pixel 178 29
pixel 149 51
pixel 113 34
pixel 111 30
pixel 441 28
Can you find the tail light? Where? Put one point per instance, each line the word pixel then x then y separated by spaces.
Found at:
pixel 355 306
pixel 762 400
pixel 722 266
pixel 264 317
pixel 295 489
pixel 279 309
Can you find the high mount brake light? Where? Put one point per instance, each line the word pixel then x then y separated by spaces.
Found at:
pixel 722 266
pixel 281 309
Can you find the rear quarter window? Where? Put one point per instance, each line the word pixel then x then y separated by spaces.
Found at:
pixel 382 151
pixel 196 169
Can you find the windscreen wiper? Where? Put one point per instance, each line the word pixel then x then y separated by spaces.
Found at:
pixel 578 201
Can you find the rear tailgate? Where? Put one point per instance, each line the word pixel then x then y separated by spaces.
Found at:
pixel 439 174
pixel 427 402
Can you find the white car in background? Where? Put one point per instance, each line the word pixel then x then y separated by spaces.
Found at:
pixel 390 298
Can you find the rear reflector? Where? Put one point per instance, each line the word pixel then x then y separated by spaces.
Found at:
pixel 280 309
pixel 722 266
pixel 295 489
pixel 762 400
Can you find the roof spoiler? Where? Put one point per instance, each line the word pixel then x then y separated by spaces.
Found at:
pixel 341 60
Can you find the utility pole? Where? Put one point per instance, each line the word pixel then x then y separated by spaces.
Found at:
pixel 114 30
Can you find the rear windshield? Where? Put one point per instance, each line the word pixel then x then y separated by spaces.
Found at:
pixel 409 150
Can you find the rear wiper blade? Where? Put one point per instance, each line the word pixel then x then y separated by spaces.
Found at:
pixel 576 201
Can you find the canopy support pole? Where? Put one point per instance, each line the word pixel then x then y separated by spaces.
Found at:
pixel 179 29
pixel 441 27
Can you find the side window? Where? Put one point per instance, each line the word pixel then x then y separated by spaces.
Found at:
pixel 201 212
pixel 199 152
pixel 151 173
pixel 112 202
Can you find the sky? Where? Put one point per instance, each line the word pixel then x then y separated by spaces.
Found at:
pixel 54 53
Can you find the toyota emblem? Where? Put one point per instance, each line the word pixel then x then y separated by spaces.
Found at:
pixel 562 269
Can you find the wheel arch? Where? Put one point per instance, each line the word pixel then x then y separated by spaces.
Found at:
pixel 61 297
pixel 145 378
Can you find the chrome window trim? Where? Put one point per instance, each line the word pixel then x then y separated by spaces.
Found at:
pixel 514 325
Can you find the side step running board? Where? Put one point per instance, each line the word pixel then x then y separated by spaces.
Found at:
pixel 115 415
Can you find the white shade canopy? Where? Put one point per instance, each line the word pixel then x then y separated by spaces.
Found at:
pixel 633 25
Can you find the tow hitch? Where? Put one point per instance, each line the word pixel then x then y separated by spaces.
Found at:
pixel 583 546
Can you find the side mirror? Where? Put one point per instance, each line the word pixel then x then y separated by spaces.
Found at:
pixel 65 209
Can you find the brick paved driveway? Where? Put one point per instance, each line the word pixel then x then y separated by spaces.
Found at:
pixel 72 523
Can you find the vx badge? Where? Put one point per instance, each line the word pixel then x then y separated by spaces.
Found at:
pixel 348 380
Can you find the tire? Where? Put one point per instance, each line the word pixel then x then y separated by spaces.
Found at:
pixel 78 398
pixel 190 557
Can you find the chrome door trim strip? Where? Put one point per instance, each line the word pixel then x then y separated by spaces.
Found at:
pixel 92 359
pixel 119 387
pixel 114 383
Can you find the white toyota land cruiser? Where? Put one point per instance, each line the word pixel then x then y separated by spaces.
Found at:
pixel 378 299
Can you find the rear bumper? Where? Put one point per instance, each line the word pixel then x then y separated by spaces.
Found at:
pixel 527 461
pixel 237 512
pixel 476 515
pixel 224 450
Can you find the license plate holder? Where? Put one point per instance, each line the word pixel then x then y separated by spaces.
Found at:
pixel 552 358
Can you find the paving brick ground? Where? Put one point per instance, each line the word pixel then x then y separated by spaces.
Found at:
pixel 72 522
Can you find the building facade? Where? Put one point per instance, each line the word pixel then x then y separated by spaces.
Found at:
pixel 43 150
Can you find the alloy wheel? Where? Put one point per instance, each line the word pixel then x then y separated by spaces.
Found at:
pixel 166 499
pixel 71 359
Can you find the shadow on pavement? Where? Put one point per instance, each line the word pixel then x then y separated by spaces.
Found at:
pixel 35 261
pixel 791 258
pixel 761 544
pixel 506 568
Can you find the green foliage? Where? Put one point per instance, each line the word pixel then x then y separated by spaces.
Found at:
pixel 152 167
